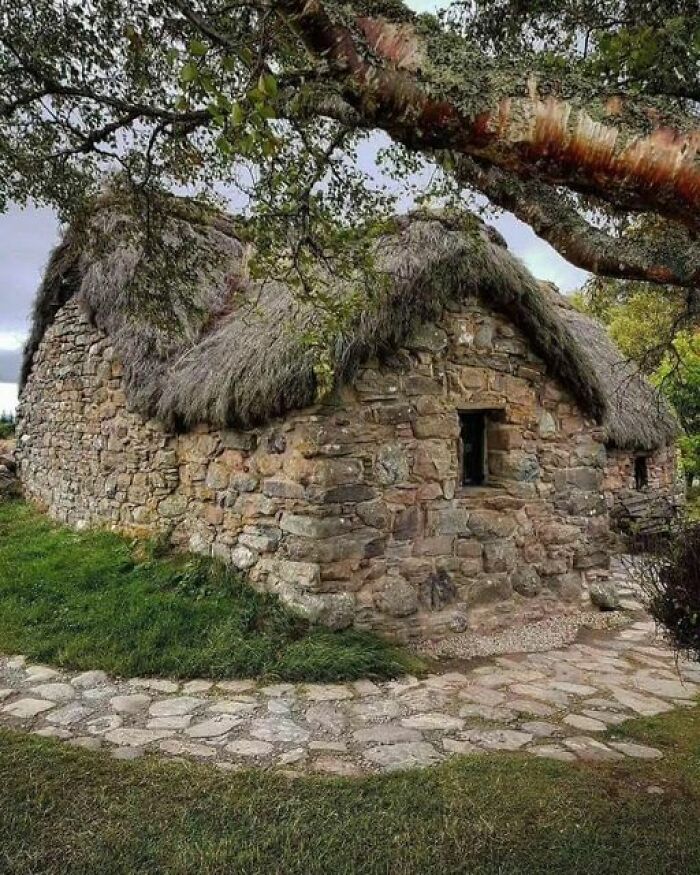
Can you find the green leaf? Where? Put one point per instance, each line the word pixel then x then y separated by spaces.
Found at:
pixel 223 145
pixel 237 114
pixel 268 85
pixel 198 48
pixel 189 72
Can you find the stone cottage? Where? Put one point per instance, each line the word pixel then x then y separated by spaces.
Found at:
pixel 459 475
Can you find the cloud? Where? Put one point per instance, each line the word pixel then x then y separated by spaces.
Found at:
pixel 27 238
pixel 10 363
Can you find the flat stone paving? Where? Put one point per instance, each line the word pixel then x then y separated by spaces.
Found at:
pixel 554 703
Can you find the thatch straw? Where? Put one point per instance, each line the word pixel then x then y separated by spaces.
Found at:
pixel 243 359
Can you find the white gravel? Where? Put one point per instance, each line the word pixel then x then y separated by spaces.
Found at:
pixel 547 634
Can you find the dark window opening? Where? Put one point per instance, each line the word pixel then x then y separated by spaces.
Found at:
pixel 472 424
pixel 641 472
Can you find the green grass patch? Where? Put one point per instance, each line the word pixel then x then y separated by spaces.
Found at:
pixel 64 810
pixel 93 599
pixel 692 506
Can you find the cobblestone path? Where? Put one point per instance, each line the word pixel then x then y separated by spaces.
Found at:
pixel 554 704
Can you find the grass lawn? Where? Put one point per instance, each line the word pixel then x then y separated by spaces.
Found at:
pixel 64 810
pixel 95 600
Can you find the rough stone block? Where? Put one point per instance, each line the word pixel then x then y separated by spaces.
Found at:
pixel 395 596
pixel 499 556
pixel 391 464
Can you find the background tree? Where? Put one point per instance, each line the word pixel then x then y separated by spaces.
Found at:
pixel 655 331
pixel 580 116
pixel 679 378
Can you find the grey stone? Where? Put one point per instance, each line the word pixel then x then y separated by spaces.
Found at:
pixel 336 766
pixel 609 717
pixel 327 692
pixel 197 686
pixel 173 506
pixel 175 707
pixel 604 595
pixel 638 751
pixel 243 558
pixel 482 695
pixel 492 713
pixel 404 755
pixel 499 556
pixel 647 706
pixel 37 674
pixel 547 424
pixel 213 727
pixel 87 679
pixel 53 732
pixel 540 728
pixel 386 733
pixel 28 708
pixel 586 724
pixel 181 722
pixel 97 694
pixel 336 610
pixel 231 706
pixel 526 582
pixel 396 597
pixel 497 739
pixel 433 721
pixel 591 749
pixel 231 686
pixel 104 723
pixel 176 747
pixel 391 465
pixel 58 692
pixel 552 752
pixel 375 709
pixel 428 337
pixel 248 747
pixel 157 685
pixel 567 586
pixel 70 714
pixel 280 730
pixel 129 737
pixel 130 704
pixel 671 689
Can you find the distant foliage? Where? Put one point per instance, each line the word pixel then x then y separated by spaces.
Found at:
pixel 651 329
pixel 671 581
pixel 678 377
pixel 7 425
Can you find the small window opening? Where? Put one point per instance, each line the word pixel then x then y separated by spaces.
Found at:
pixel 641 472
pixel 472 424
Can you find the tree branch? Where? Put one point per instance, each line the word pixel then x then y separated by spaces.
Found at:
pixel 555 220
pixel 551 138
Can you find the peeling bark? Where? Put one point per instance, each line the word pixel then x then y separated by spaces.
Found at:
pixel 549 138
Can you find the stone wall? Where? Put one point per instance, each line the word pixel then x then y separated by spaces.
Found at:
pixel 647 510
pixel 351 511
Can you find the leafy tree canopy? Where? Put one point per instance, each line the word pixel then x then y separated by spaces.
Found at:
pixel 654 331
pixel 580 116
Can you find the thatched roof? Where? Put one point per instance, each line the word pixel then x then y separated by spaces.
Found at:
pixel 240 356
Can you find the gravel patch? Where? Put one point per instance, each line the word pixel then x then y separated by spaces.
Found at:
pixel 547 634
